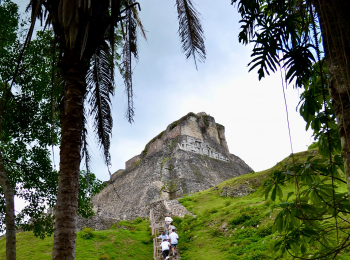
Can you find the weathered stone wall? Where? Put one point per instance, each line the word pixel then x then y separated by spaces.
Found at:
pixel 132 161
pixel 191 155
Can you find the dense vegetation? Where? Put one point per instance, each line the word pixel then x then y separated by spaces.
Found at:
pixel 236 228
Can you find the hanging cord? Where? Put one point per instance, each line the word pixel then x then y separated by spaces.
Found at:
pixel 53 103
pixel 326 114
pixel 291 144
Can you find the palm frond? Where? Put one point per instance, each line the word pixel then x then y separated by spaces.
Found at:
pixel 130 48
pixel 190 31
pixel 100 84
pixel 85 146
pixel 139 23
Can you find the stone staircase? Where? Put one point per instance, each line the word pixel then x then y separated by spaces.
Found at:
pixel 174 208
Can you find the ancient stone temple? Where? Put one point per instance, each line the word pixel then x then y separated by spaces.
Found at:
pixel 191 155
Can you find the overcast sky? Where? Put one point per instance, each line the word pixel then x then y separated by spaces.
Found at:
pixel 167 87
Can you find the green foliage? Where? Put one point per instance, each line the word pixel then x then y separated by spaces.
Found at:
pixel 264 231
pixel 28 125
pixel 245 228
pixel 137 220
pixel 215 232
pixel 173 125
pixel 86 191
pixel 104 257
pixel 312 219
pixel 87 233
pixel 314 145
pixel 288 41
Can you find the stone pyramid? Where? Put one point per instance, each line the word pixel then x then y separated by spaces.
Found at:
pixel 191 155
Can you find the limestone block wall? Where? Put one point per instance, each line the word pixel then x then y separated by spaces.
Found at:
pixel 132 161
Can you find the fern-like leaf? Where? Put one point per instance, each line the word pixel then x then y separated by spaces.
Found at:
pixel 130 48
pixel 190 31
pixel 100 84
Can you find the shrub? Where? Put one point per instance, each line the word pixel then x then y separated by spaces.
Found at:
pixel 215 232
pixel 240 219
pixel 254 221
pixel 177 220
pixel 114 227
pixel 184 246
pixel 264 231
pixel 147 240
pixel 87 233
pixel 137 220
pixel 257 255
pixel 104 257
pixel 213 210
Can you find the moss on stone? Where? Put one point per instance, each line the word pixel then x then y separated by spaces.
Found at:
pixel 137 163
pixel 144 152
pixel 182 119
pixel 219 126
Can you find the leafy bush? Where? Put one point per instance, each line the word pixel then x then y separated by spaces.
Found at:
pixel 104 257
pixel 137 220
pixel 184 246
pixel 148 240
pixel 87 233
pixel 114 227
pixel 264 231
pixel 257 255
pixel 177 221
pixel 254 221
pixel 213 210
pixel 240 219
pixel 215 232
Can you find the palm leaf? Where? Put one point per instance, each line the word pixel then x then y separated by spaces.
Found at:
pixel 130 48
pixel 138 21
pixel 100 84
pixel 190 31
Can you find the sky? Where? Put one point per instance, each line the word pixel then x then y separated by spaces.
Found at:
pixel 167 87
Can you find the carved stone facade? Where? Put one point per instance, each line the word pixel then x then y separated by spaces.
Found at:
pixel 196 145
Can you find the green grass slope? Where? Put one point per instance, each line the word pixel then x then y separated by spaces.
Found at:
pixel 132 240
pixel 232 228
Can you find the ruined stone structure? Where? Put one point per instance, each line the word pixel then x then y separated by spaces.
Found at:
pixel 191 155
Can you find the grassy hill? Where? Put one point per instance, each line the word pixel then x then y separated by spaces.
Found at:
pixel 225 228
pixel 130 240
pixel 233 228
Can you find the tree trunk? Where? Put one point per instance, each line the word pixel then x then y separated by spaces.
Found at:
pixel 335 20
pixel 74 71
pixel 10 213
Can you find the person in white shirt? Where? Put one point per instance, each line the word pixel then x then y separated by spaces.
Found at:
pixel 174 238
pixel 167 222
pixel 165 245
